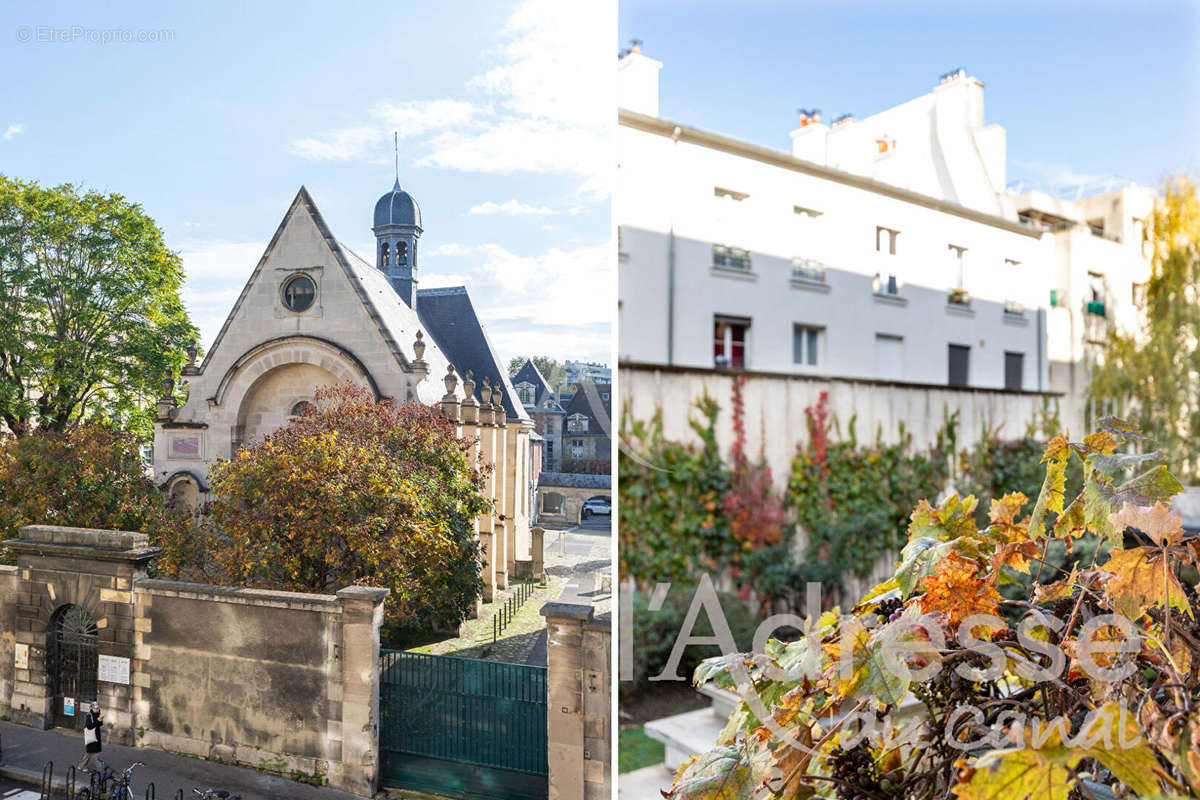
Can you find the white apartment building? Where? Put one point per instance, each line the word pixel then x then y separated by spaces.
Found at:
pixel 580 371
pixel 887 248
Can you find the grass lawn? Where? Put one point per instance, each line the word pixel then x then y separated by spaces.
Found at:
pixel 637 750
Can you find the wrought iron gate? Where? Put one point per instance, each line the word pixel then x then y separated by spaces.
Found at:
pixel 72 650
pixel 439 714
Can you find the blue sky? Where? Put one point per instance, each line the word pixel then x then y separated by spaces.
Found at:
pixel 1085 89
pixel 213 125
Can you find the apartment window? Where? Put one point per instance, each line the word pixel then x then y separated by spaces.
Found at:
pixel 958 262
pixel 960 363
pixel 889 357
pixel 731 257
pixel 886 284
pixel 1014 369
pixel 525 392
pixel 729 342
pixel 1137 294
pixel 549 454
pixel 806 345
pixel 808 269
pixel 577 423
pixel 553 503
pixel 885 240
pixel 1095 294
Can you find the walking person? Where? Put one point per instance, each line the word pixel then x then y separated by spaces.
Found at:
pixel 91 761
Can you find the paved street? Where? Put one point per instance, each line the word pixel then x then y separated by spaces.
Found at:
pixel 26 750
pixel 582 555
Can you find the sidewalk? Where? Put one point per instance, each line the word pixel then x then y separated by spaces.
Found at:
pixel 25 752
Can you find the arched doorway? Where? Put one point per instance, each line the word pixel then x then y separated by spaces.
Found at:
pixel 72 662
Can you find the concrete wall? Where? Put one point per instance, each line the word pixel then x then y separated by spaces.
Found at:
pixel 579 705
pixel 776 423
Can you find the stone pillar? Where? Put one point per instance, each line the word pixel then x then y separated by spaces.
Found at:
pixel 578 713
pixel 504 552
pixel 362 616
pixel 537 553
pixel 487 455
pixel 469 411
pixel 94 570
pixel 517 488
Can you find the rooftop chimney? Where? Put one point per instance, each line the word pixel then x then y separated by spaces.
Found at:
pixel 637 80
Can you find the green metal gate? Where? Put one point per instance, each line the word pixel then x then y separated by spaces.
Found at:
pixel 439 714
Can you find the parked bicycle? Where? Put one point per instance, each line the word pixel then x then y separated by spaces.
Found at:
pixel 99 790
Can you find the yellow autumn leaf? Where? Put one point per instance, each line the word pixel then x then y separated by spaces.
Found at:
pixel 1142 577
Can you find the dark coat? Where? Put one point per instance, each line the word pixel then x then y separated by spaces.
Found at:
pixel 93 723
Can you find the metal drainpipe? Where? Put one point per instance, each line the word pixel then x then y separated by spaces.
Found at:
pixel 671 256
pixel 1041 346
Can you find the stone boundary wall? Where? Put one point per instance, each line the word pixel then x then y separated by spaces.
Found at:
pixel 282 681
pixel 775 403
pixel 259 678
pixel 578 700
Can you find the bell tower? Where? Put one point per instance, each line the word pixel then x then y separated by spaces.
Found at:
pixel 397 230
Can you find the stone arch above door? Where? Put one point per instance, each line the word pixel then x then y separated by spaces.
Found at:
pixel 263 387
pixel 322 353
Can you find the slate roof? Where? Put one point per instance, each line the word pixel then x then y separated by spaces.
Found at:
pixel 450 319
pixel 589 402
pixel 397 207
pixel 529 373
pixel 574 480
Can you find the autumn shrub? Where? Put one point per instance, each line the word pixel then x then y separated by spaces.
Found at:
pixel 89 475
pixel 935 684
pixel 354 491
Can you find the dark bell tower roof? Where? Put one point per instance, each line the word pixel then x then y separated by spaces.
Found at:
pixel 397 207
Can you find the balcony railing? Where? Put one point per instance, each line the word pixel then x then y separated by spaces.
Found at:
pixel 1096 307
pixel 808 269
pixel 731 257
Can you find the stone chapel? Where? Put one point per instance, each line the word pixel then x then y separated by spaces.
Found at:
pixel 314 313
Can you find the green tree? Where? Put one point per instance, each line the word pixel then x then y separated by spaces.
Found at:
pixel 555 372
pixel 91 319
pixel 1152 375
pixel 354 491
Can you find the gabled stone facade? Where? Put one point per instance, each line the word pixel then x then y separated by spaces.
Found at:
pixel 314 313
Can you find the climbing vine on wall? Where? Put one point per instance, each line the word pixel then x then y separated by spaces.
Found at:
pixel 852 501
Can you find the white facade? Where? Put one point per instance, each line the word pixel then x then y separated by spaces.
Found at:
pixel 884 249
pixel 579 371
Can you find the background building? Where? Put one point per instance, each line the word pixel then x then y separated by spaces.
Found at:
pixel 884 249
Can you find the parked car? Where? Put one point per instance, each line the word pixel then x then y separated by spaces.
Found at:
pixel 598 506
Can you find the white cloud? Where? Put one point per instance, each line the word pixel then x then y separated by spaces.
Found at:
pixel 514 207
pixel 1056 176
pixel 545 106
pixel 343 145
pixel 13 131
pixel 448 249
pixel 417 117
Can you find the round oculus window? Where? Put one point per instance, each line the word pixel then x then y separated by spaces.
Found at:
pixel 299 293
